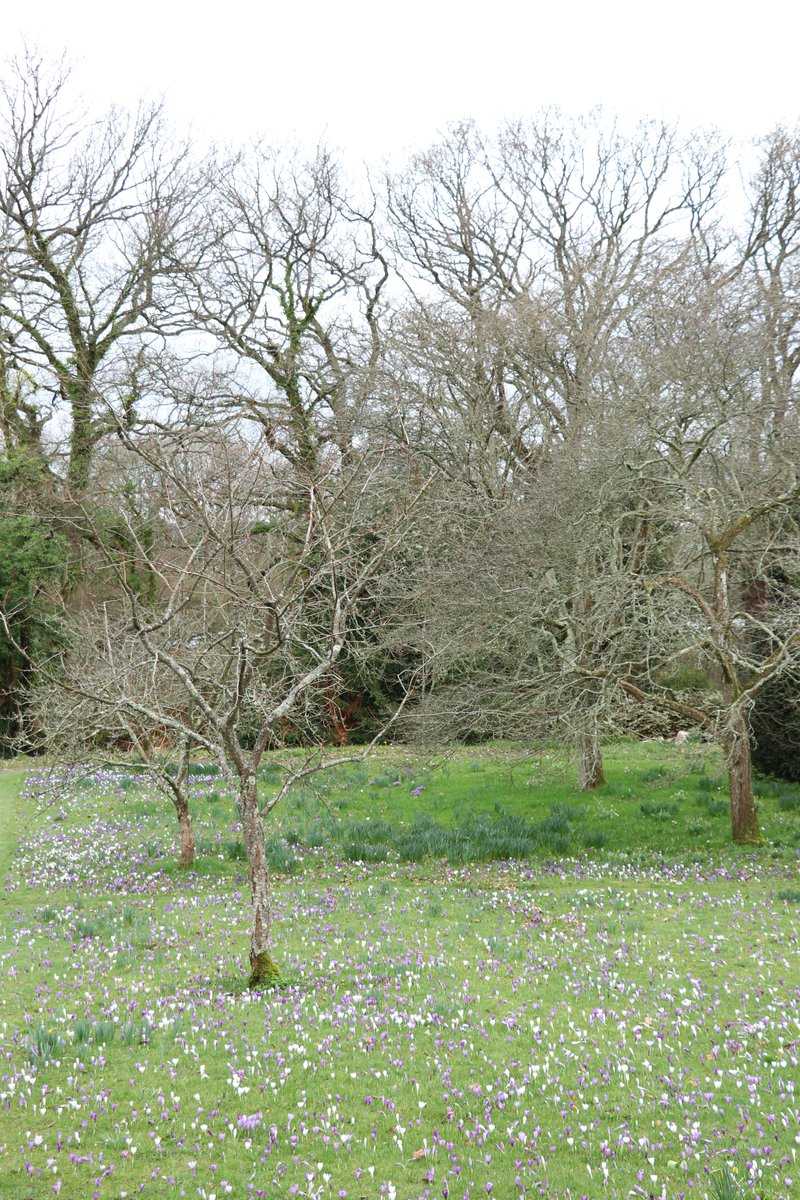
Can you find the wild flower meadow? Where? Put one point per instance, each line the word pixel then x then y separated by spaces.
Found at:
pixel 601 1022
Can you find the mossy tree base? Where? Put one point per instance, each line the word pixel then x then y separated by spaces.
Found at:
pixel 264 972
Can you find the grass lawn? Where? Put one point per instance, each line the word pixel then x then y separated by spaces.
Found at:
pixel 614 1014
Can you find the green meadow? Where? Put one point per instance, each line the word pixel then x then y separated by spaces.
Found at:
pixel 492 986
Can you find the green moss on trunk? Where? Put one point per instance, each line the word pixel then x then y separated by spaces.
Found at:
pixel 264 972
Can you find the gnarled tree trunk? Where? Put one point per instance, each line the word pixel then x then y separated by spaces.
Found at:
pixel 186 833
pixel 263 971
pixel 744 816
pixel 590 771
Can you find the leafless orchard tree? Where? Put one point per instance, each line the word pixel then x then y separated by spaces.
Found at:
pixel 246 623
pixel 98 703
pixel 666 538
pixel 511 651
pixel 695 608
pixel 712 388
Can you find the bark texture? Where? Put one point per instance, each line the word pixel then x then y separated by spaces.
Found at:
pixel 591 774
pixel 263 970
pixel 186 834
pixel 744 815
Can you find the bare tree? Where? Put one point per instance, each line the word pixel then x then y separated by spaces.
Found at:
pixel 526 258
pixel 290 287
pixel 95 218
pixel 711 386
pixel 247 621
pixel 86 706
pixel 515 613
pixel 637 544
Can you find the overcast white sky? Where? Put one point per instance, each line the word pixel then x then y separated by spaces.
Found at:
pixel 377 78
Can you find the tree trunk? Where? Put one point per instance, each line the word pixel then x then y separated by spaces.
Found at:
pixel 744 817
pixel 81 439
pixel 263 971
pixel 186 834
pixel 590 773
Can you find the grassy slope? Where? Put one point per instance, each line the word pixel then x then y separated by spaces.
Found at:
pixel 621 1013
